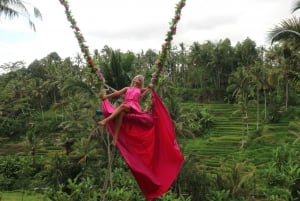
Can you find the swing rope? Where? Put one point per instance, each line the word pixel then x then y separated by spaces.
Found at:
pixel 159 63
pixel 166 47
pixel 83 47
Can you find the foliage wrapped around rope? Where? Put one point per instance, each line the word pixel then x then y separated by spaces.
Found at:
pixel 83 47
pixel 166 47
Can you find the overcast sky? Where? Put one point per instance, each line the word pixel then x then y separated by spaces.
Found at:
pixel 137 25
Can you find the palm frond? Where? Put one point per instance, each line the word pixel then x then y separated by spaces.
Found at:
pixel 287 29
pixel 37 13
pixel 15 8
pixel 294 77
pixel 297 140
pixel 77 86
pixel 296 6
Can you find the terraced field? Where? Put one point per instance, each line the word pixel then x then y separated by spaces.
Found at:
pixel 229 141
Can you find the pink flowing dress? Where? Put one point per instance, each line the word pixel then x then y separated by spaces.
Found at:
pixel 147 143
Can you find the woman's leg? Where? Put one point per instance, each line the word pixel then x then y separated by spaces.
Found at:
pixel 120 109
pixel 118 123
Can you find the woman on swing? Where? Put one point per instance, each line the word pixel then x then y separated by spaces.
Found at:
pixel 147 141
pixel 133 95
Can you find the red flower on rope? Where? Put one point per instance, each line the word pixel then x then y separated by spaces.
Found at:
pixel 166 47
pixel 84 48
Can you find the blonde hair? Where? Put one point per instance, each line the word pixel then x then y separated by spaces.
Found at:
pixel 141 78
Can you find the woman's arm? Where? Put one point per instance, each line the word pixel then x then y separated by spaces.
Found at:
pixel 115 94
pixel 146 90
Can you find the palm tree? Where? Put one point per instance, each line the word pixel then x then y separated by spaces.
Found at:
pixel 16 8
pixel 239 178
pixel 77 117
pixel 257 72
pixel 85 152
pixel 288 32
pixel 241 85
pixel 288 29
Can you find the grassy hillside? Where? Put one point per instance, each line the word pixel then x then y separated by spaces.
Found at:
pixel 228 139
pixel 21 196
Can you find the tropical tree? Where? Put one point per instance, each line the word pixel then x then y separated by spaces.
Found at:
pixel 77 116
pixel 287 29
pixel 16 8
pixel 200 57
pixel 210 66
pixel 85 152
pixel 194 179
pixel 182 65
pixel 239 179
pixel 13 66
pixel 222 64
pixel 282 173
pixel 58 169
pixel 258 73
pixel 149 59
pixel 283 59
pixel 39 94
pixel 287 33
pixel 14 98
pixel 246 53
pixel 116 67
pixel 241 87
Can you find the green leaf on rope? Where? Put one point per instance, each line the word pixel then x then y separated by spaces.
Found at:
pixel 166 47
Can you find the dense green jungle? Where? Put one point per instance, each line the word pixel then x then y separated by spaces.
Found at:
pixel 235 110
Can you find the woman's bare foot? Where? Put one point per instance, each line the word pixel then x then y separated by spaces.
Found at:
pixel 102 123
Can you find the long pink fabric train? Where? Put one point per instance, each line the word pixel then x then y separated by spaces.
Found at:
pixel 148 144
